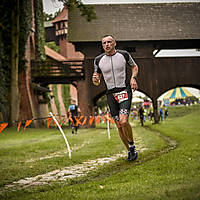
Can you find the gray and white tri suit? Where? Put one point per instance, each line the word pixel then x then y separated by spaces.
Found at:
pixel 117 79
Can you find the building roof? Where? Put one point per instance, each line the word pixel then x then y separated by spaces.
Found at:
pixel 54 55
pixel 138 22
pixel 62 16
pixel 48 24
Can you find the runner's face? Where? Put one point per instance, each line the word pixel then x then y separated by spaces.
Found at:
pixel 108 44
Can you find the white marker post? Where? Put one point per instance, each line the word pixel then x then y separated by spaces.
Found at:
pixel 69 150
pixel 108 126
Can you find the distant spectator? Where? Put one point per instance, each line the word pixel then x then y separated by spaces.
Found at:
pixel 161 114
pixel 166 113
pixel 141 115
pixel 150 115
pixel 145 115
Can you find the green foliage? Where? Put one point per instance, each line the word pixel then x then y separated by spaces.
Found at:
pixel 50 17
pixel 4 108
pixel 66 95
pixel 40 33
pixel 87 11
pixel 25 19
pixel 25 16
pixel 52 45
pixel 5 48
pixel 102 102
pixel 55 94
pixel 5 57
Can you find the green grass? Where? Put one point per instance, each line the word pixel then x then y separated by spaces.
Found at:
pixel 168 169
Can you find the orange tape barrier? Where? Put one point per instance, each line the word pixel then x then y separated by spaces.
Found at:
pixel 82 120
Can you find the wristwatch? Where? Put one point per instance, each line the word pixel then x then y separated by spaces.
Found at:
pixel 135 77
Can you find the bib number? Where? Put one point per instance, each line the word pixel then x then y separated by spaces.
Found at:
pixel 121 96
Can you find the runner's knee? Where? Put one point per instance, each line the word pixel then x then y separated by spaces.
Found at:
pixel 123 122
pixel 118 124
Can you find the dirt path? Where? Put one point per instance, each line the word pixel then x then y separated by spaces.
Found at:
pixel 64 174
pixel 69 172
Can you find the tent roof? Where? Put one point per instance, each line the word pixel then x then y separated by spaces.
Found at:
pixel 137 99
pixel 177 93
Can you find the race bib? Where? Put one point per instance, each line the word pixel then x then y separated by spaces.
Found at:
pixel 121 96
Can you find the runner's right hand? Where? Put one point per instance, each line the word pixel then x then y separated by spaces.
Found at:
pixel 96 78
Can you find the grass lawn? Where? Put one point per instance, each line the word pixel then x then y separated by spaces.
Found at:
pixel 168 165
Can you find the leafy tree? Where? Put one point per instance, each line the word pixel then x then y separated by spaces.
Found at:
pixel 102 102
pixel 87 11
pixel 50 17
pixel 5 66
pixel 15 61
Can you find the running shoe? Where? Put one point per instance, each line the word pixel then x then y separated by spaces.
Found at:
pixel 129 156
pixel 132 154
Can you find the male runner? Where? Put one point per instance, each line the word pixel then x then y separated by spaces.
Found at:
pixel 113 65
pixel 74 111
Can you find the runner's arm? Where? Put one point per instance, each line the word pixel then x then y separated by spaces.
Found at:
pixel 133 81
pixel 96 77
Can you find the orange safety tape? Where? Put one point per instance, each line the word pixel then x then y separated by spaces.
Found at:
pixel 77 121
pixel 2 126
pixel 91 119
pixel 103 118
pixel 97 119
pixel 113 121
pixel 62 121
pixel 49 120
pixel 84 121
pixel 27 123
pixel 108 118
pixel 19 125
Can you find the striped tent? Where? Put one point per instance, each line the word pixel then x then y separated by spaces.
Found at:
pixel 177 93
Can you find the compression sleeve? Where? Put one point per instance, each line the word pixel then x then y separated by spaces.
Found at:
pixel 96 66
pixel 131 62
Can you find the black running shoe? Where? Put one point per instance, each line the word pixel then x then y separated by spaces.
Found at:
pixel 129 156
pixel 132 154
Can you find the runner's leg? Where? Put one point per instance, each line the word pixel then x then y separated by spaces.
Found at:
pixel 73 124
pixel 124 111
pixel 122 135
pixel 114 109
pixel 127 129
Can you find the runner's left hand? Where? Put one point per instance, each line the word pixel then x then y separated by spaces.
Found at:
pixel 133 84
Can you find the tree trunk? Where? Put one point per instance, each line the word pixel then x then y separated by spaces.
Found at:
pixel 14 62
